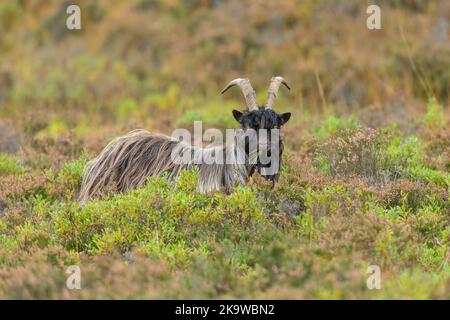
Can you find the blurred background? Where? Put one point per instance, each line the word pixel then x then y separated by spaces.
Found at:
pixel 365 177
pixel 160 64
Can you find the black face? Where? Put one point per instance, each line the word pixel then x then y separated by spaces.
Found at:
pixel 264 119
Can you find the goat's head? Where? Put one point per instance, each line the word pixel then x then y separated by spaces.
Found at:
pixel 266 122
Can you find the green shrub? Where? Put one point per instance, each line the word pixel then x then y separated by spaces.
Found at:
pixel 321 204
pixel 435 117
pixel 416 284
pixel 332 125
pixel 71 175
pixel 159 218
pixel 378 156
pixel 405 158
pixel 127 109
pixel 10 165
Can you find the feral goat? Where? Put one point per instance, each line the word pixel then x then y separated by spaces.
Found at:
pixel 127 161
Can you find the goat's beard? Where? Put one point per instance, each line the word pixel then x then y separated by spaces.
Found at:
pixel 253 169
pixel 273 178
pixel 270 171
pixel 270 176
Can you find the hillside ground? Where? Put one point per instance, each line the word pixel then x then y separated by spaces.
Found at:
pixel 365 177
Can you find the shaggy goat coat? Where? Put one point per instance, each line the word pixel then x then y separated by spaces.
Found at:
pixel 127 161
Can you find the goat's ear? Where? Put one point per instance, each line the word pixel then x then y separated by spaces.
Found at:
pixel 237 115
pixel 284 117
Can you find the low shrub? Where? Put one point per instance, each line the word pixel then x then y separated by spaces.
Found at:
pixel 377 155
pixel 10 165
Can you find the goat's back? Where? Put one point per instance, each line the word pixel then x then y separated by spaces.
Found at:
pixel 126 163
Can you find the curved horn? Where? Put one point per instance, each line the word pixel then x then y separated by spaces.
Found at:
pixel 247 89
pixel 273 90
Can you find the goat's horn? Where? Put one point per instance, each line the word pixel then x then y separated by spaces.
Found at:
pixel 273 90
pixel 247 89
